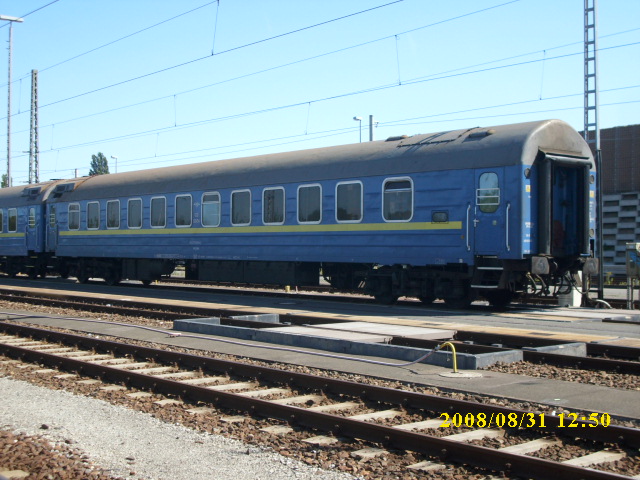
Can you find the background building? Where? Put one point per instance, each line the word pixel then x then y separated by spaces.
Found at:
pixel 621 191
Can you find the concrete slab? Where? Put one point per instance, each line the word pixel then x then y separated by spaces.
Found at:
pixel 576 349
pixel 621 342
pixel 345 342
pixel 264 318
pixel 348 335
pixel 385 329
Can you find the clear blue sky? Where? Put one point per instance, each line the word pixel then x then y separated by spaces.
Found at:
pixel 136 79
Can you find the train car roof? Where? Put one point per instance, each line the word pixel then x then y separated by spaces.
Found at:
pixel 24 195
pixel 517 144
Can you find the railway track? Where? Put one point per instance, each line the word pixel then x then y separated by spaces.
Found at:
pixel 331 411
pixel 600 357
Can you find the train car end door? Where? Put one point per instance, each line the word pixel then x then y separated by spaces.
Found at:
pixel 52 228
pixel 32 229
pixel 488 219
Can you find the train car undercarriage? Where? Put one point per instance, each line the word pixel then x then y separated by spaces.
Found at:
pixel 497 281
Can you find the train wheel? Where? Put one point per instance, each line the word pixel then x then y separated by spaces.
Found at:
pixel 12 269
pixel 382 290
pixel 499 298
pixel 386 298
pixel 111 278
pixel 427 299
pixel 82 274
pixel 463 298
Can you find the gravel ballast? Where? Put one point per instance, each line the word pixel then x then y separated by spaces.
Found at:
pixel 131 444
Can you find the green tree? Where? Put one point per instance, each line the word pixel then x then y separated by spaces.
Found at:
pixel 5 182
pixel 99 165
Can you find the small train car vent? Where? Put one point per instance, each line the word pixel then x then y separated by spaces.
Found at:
pixel 63 188
pixel 31 192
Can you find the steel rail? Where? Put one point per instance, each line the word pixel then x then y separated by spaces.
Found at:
pixel 135 308
pixel 446 450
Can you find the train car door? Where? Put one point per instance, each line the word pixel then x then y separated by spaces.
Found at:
pixel 488 220
pixel 563 206
pixel 31 230
pixel 52 228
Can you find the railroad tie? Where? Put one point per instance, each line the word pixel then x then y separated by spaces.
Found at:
pixel 266 392
pixel 424 425
pixel 595 458
pixel 377 415
pixel 532 446
pixel 204 380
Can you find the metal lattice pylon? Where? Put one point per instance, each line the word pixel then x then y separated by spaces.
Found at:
pixel 591 128
pixel 34 150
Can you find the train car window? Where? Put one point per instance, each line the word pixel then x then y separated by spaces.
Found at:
pixel 74 216
pixel 1 221
pixel 184 212
pixel 397 200
pixel 158 212
pixel 52 216
pixel 134 213
pixel 13 220
pixel 309 204
pixel 488 193
pixel 273 206
pixel 32 217
pixel 241 207
pixel 113 214
pixel 93 215
pixel 210 209
pixel 349 202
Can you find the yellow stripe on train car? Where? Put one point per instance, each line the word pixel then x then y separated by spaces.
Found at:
pixel 340 227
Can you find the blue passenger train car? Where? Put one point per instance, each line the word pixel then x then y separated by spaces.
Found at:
pixel 451 215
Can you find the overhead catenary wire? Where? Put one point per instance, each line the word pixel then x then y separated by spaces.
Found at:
pixel 333 97
pixel 213 55
pixel 105 87
pixel 307 103
pixel 300 138
pixel 436 76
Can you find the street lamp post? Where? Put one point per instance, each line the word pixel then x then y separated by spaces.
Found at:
pixel 116 159
pixel 359 119
pixel 10 20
